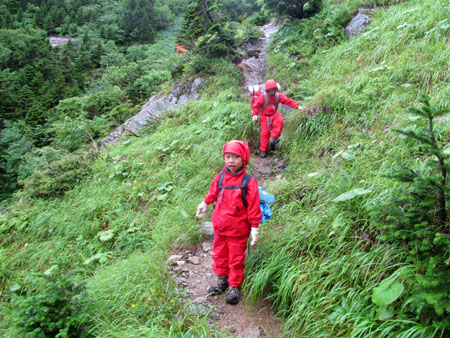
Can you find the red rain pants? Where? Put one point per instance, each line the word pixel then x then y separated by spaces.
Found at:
pixel 271 126
pixel 229 257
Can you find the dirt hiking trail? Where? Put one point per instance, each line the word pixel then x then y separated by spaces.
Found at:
pixel 192 269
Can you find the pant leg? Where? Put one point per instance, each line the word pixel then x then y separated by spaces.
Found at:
pixel 220 255
pixel 277 125
pixel 236 248
pixel 264 133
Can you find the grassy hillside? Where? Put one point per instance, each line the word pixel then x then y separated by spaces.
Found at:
pixel 318 260
pixel 321 260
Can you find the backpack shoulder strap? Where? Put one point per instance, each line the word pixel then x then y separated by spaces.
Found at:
pixel 266 101
pixel 244 187
pixel 222 175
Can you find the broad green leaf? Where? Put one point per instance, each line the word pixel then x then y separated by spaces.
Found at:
pixel 106 235
pixel 387 292
pixel 337 154
pixel 348 155
pixel 15 287
pixel 50 270
pixel 446 151
pixel 162 197
pixel 385 312
pixel 91 259
pixel 413 118
pixel 351 194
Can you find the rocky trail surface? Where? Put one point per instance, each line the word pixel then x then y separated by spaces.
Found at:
pixel 192 269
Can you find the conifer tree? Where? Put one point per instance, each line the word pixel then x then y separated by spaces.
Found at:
pixel 205 29
pixel 197 20
pixel 295 8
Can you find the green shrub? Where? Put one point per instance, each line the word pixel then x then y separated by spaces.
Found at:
pixel 54 311
pixel 14 145
pixel 59 177
pixel 219 40
pixel 295 8
pixel 417 215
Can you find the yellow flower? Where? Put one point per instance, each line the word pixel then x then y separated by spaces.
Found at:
pixel 172 300
pixel 149 299
pixel 133 306
pixel 160 299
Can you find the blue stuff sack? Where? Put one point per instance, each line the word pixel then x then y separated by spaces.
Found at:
pixel 265 199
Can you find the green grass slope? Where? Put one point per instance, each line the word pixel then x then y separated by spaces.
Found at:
pixel 317 260
pixel 321 260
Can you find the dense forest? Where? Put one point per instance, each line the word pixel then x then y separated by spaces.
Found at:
pixel 359 241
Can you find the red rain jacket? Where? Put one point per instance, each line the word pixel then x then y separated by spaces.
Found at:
pixel 230 217
pixel 270 109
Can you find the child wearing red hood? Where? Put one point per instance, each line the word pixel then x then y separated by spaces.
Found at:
pixel 265 108
pixel 233 220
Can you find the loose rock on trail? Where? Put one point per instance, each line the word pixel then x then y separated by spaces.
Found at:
pixel 193 275
pixel 192 269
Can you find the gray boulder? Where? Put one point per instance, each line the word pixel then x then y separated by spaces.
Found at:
pixel 358 22
pixel 181 93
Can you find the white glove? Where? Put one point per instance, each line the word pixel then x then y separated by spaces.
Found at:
pixel 254 234
pixel 255 118
pixel 202 209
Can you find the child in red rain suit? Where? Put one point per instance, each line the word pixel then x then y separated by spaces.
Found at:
pixel 266 107
pixel 233 221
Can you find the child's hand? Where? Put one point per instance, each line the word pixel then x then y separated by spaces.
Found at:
pixel 254 234
pixel 202 209
pixel 255 118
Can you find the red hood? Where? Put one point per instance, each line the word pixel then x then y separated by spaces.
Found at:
pixel 239 148
pixel 271 84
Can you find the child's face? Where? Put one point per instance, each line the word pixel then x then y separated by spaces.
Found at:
pixel 233 162
pixel 271 91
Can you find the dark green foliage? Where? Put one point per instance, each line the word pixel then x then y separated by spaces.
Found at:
pixel 296 8
pixel 56 310
pixel 206 30
pixel 35 78
pixel 218 41
pixel 417 216
pixel 197 20
pixel 137 16
pixel 236 10
pixel 59 177
pixel 14 144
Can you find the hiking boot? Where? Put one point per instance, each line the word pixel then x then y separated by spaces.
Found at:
pixel 233 295
pixel 273 143
pixel 222 285
pixel 263 154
